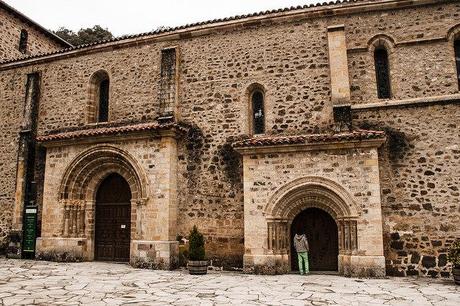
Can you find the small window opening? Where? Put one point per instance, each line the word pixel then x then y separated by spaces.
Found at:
pixel 23 41
pixel 457 60
pixel 98 103
pixel 258 114
pixel 382 71
pixel 104 101
pixel 168 88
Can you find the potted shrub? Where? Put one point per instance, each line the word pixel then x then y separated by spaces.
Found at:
pixel 454 257
pixel 196 255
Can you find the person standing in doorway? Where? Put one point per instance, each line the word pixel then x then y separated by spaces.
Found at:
pixel 301 247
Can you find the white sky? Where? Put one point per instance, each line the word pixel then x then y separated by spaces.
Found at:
pixel 137 16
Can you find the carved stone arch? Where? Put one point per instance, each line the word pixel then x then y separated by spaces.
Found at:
pixel 311 192
pixel 81 181
pixel 101 159
pixel 326 193
pixel 253 87
pixel 381 41
pixel 453 33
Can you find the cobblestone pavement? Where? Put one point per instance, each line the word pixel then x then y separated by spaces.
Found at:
pixel 95 283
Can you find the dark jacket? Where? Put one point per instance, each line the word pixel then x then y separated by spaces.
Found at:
pixel 300 243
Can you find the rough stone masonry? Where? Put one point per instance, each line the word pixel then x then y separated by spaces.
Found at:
pixel 182 126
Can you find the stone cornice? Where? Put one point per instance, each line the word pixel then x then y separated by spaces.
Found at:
pixel 413 42
pixel 293 148
pixel 205 28
pixel 111 134
pixel 415 102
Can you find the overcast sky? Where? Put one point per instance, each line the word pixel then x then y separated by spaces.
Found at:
pixel 136 16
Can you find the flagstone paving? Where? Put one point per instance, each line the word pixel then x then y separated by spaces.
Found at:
pixel 25 282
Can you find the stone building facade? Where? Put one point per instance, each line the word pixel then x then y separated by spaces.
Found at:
pixel 22 36
pixel 336 119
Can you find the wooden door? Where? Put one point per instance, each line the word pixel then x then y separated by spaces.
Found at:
pixel 322 234
pixel 113 220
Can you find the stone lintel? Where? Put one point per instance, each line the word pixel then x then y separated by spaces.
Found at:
pixel 413 102
pixel 288 148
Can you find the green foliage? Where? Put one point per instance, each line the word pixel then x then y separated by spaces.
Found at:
pixel 454 254
pixel 196 245
pixel 84 36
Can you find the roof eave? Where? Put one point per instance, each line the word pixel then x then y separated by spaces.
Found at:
pixel 204 28
pixel 313 146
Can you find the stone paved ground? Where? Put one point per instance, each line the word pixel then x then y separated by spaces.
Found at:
pixel 95 283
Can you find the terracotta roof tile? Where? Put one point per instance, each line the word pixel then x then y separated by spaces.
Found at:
pixel 104 131
pixel 312 138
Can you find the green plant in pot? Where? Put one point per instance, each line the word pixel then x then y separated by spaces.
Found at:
pixel 197 264
pixel 454 257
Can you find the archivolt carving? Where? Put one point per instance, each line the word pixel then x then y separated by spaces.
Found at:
pixel 82 179
pixel 87 170
pixel 306 192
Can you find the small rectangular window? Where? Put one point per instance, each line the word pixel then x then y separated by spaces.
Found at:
pixel 104 101
pixel 168 87
pixel 457 60
pixel 23 41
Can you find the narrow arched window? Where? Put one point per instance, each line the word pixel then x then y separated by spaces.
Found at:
pixel 98 105
pixel 457 60
pixel 24 36
pixel 104 101
pixel 258 112
pixel 382 72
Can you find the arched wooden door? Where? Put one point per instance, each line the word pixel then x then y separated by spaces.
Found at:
pixel 322 234
pixel 113 219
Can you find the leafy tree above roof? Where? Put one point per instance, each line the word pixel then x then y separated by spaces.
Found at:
pixel 84 36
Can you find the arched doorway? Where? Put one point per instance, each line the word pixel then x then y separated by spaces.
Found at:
pixel 113 219
pixel 322 234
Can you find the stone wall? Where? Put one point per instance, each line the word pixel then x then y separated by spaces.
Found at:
pixel 420 178
pixel 289 59
pixel 12 98
pixel 10 29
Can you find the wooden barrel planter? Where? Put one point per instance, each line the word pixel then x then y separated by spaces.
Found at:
pixel 456 273
pixel 197 267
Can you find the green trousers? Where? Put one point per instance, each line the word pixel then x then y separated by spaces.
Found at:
pixel 303 262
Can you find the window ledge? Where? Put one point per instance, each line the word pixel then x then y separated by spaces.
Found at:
pixel 454 98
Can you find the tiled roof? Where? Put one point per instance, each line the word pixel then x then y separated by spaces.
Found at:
pixel 357 135
pixel 105 131
pixel 29 21
pixel 197 24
